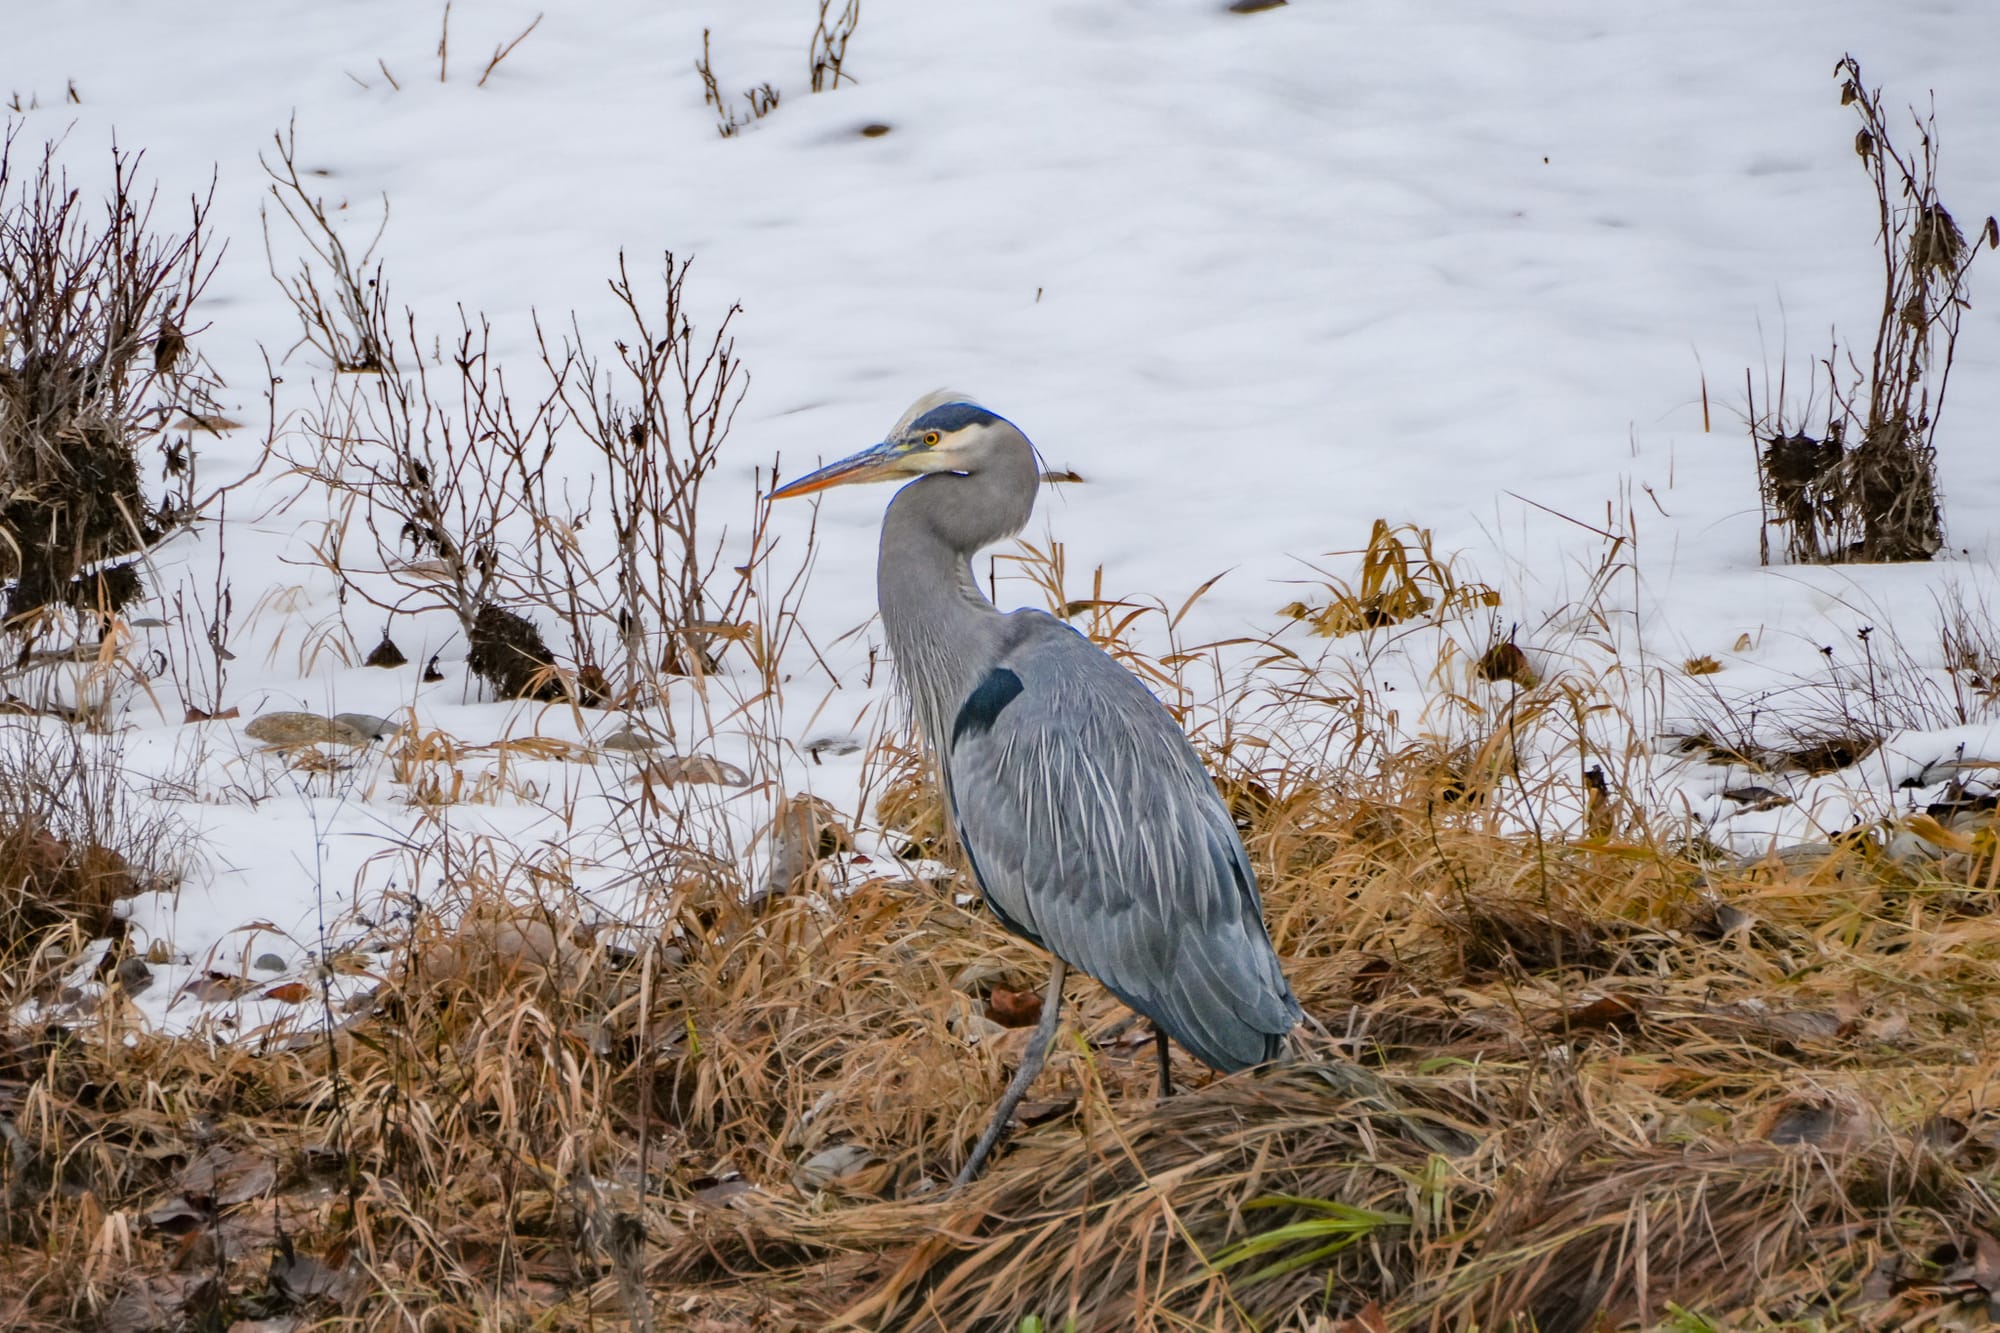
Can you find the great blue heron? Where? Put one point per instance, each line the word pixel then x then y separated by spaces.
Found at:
pixel 1092 828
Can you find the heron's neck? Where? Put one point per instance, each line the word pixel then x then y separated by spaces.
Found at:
pixel 943 632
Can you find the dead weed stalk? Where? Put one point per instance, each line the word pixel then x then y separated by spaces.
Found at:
pixel 1866 488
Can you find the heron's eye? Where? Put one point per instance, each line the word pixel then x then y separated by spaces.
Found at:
pixel 931 438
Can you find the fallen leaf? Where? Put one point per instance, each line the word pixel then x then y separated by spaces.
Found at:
pixel 177 1217
pixel 1892 1026
pixel 1986 1262
pixel 722 1192
pixel 1599 1015
pixel 846 1166
pixel 694 768
pixel 1368 1319
pixel 1807 1025
pixel 1505 661
pixel 1884 1280
pixel 1818 1126
pixel 1013 1008
pixel 300 1277
pixel 1943 1132
pixel 224 1177
pixel 292 992
pixel 216 987
pixel 1030 1114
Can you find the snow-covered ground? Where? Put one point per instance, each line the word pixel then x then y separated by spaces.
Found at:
pixel 1260 279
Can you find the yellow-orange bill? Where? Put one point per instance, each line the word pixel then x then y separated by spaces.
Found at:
pixel 871 464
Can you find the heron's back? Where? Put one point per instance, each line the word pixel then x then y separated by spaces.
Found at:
pixel 1094 831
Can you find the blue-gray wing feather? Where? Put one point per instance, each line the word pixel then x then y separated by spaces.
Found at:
pixel 1094 831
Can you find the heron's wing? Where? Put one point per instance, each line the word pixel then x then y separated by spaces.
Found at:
pixel 1094 830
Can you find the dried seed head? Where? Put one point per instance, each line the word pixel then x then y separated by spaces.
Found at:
pixel 1864 144
pixel 386 653
pixel 1848 93
pixel 169 346
pixel 1936 243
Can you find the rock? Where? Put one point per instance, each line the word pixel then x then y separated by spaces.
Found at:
pixel 287 730
pixel 134 976
pixel 216 988
pixel 629 741
pixel 1756 798
pixel 268 962
pixel 374 728
pixel 693 768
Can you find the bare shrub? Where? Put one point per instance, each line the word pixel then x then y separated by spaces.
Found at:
pixel 350 324
pixel 826 55
pixel 1865 488
pixel 763 99
pixel 454 499
pixel 581 502
pixel 73 840
pixel 99 384
pixel 1970 639
pixel 828 52
pixel 659 422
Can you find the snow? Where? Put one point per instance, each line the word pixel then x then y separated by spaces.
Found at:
pixel 1260 279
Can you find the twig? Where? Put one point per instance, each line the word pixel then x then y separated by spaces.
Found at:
pixel 444 41
pixel 500 53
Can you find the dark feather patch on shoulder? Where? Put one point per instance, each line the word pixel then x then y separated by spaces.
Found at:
pixel 982 707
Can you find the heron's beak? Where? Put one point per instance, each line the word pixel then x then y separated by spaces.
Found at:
pixel 875 463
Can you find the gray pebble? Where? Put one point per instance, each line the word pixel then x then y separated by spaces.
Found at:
pixel 133 975
pixel 374 728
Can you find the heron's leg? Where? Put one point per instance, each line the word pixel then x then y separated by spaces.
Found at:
pixel 1031 1065
pixel 1166 1066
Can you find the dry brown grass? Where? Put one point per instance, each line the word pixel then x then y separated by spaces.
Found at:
pixel 1567 1070
pixel 1582 1080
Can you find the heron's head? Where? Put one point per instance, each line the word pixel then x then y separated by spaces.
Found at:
pixel 942 432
